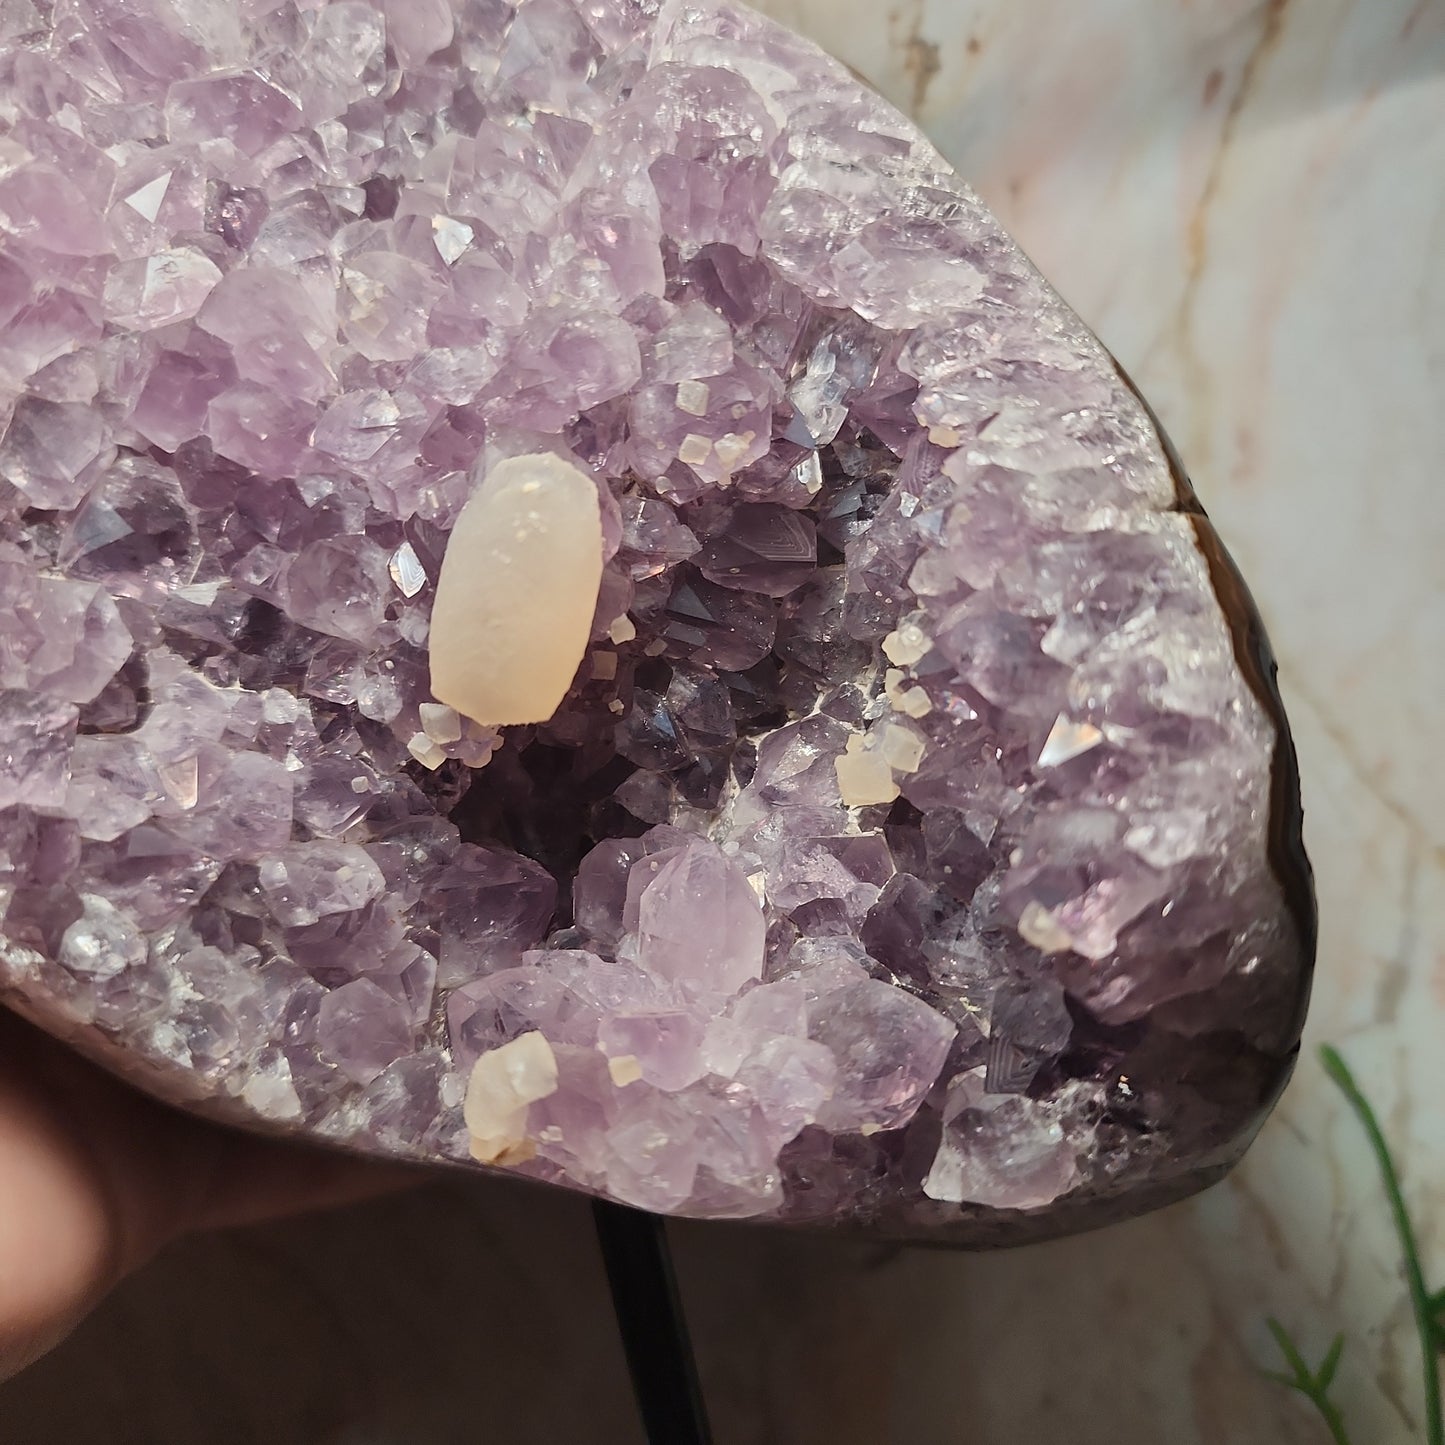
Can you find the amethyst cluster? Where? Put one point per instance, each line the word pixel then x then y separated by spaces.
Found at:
pixel 917 848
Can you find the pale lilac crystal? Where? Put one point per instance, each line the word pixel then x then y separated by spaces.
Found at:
pixel 363 1029
pixel 102 943
pixel 698 919
pixel 241 108
pixel 50 450
pixel 39 734
pixel 889 1048
pixel 491 907
pixel 913 849
pixel 303 885
pixel 666 1046
pixel 337 587
pixel 1002 1152
pixel 653 1150
pixel 64 638
pixel 792 1080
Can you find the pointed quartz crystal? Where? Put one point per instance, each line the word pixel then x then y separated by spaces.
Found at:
pixel 855 792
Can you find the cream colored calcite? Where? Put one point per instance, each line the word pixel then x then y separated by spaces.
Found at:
pixel 517 591
pixel 906 644
pixel 903 697
pixel 1038 926
pixel 903 748
pixel 864 778
pixel 624 1070
pixel 426 751
pixel 503 1082
pixel 440 723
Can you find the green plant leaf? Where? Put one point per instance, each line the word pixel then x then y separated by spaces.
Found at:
pixel 1280 1378
pixel 1325 1375
pixel 1436 1305
pixel 1314 1385
pixel 1427 1306
pixel 1289 1350
pixel 1423 1303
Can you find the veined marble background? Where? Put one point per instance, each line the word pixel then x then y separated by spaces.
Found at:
pixel 1246 199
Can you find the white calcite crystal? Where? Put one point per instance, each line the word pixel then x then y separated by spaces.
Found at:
pixel 503 1082
pixel 516 594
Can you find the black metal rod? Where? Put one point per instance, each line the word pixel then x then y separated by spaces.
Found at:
pixel 653 1327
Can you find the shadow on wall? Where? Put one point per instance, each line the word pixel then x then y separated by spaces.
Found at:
pixel 462 1314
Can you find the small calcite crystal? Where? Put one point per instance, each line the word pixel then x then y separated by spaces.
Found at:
pixel 517 591
pixel 574 605
pixel 503 1082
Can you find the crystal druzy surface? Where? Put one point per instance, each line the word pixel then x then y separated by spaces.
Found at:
pixel 915 848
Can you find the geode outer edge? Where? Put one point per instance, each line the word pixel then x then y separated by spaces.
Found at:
pixel 918 850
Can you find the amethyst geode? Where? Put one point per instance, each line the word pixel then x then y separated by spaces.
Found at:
pixel 917 848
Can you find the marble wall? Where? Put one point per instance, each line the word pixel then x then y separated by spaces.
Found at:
pixel 1246 198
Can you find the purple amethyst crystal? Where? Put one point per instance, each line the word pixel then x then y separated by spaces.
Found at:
pixel 917 848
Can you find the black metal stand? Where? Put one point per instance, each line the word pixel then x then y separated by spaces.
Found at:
pixel 652 1325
